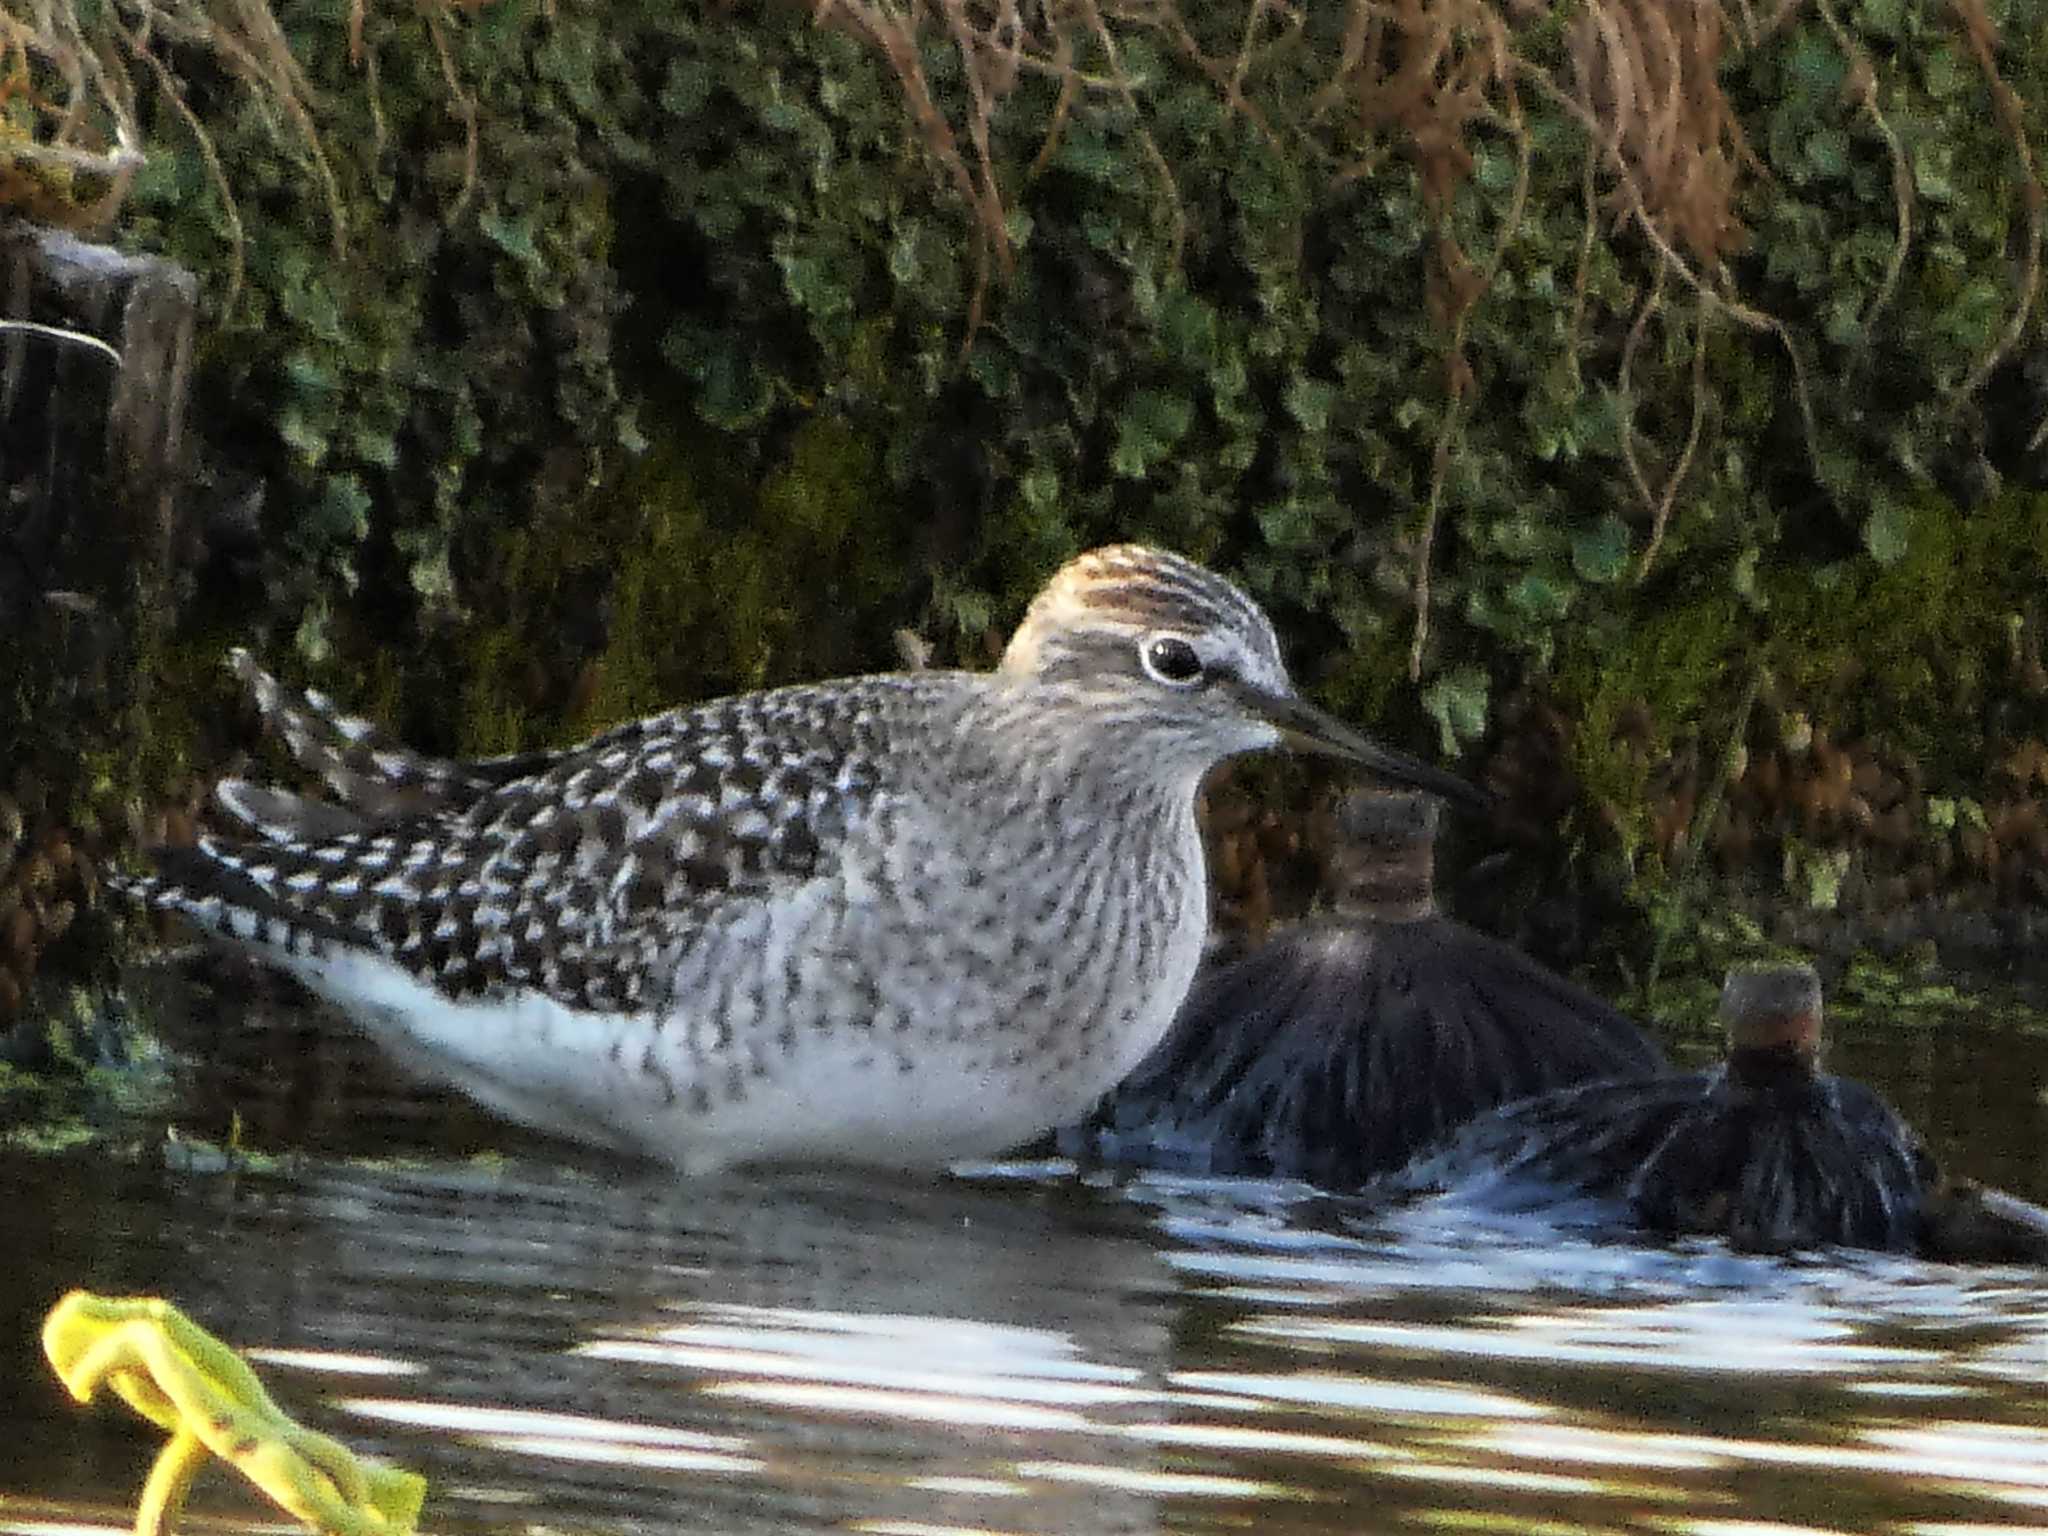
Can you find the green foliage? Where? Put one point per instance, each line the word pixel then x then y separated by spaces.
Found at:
pixel 1914 646
pixel 713 585
pixel 391 377
pixel 727 223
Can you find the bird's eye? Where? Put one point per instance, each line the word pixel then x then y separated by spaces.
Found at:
pixel 1171 660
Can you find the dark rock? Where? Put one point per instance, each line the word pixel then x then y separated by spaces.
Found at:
pixel 1339 1047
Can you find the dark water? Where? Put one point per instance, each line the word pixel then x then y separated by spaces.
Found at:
pixel 564 1346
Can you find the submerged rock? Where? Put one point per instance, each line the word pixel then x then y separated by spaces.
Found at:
pixel 1765 1150
pixel 1339 1047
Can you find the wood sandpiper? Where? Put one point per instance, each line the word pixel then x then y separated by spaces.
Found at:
pixel 894 920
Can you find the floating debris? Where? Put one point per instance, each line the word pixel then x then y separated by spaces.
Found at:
pixel 178 1376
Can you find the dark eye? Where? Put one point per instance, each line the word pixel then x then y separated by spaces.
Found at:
pixel 1171 660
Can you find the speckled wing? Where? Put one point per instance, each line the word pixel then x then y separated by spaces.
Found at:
pixel 373 774
pixel 578 881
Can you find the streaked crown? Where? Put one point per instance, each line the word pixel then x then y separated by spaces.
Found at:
pixel 1097 614
pixel 1175 669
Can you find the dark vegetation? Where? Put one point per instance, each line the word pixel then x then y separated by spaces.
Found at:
pixel 1643 401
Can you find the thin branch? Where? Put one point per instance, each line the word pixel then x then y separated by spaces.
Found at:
pixel 1439 471
pixel 1862 83
pixel 1692 442
pixel 988 203
pixel 1070 91
pixel 216 172
pixel 1575 332
pixel 1982 36
pixel 1742 314
pixel 123 160
pixel 63 334
pixel 463 106
pixel 1093 16
pixel 1624 384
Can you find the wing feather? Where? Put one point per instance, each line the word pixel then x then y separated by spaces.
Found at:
pixel 575 879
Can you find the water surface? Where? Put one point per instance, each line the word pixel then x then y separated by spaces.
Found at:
pixel 563 1344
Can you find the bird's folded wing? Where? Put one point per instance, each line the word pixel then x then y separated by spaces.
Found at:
pixel 571 881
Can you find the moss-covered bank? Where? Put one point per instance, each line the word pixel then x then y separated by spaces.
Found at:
pixel 1609 405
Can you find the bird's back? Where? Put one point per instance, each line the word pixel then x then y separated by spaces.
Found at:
pixel 565 878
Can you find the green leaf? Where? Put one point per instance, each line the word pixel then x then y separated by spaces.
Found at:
pixel 513 236
pixel 1187 327
pixel 302 436
pixel 1040 489
pixel 1945 73
pixel 372 447
pixel 732 394
pixel 343 510
pixel 1932 172
pixel 1147 430
pixel 1084 152
pixel 995 370
pixel 1747 587
pixel 905 262
pixel 1457 703
pixel 1976 313
pixel 1815 65
pixel 1288 525
pixel 1888 531
pixel 1828 152
pixel 313 638
pixel 1538 597
pixel 1839 470
pixel 310 375
pixel 312 304
pixel 1309 400
pixel 1600 550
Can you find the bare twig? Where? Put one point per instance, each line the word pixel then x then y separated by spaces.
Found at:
pixel 1439 471
pixel 1176 214
pixel 1743 314
pixel 1624 383
pixel 1982 35
pixel 1862 85
pixel 1692 443
pixel 462 104
pixel 1070 91
pixel 1582 272
pixel 988 205
pixel 174 93
pixel 62 334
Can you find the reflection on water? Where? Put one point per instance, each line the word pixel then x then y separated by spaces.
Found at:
pixel 564 1345
pixel 608 1351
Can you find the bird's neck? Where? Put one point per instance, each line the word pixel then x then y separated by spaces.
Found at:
pixel 1065 744
pixel 1387 885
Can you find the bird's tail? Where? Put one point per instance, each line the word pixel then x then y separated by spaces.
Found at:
pixel 206 885
pixel 372 772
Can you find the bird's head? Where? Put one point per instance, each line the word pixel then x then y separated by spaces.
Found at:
pixel 1185 662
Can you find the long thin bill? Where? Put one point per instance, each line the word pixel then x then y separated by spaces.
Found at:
pixel 1304 728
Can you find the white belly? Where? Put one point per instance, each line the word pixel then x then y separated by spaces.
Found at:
pixel 819 1028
